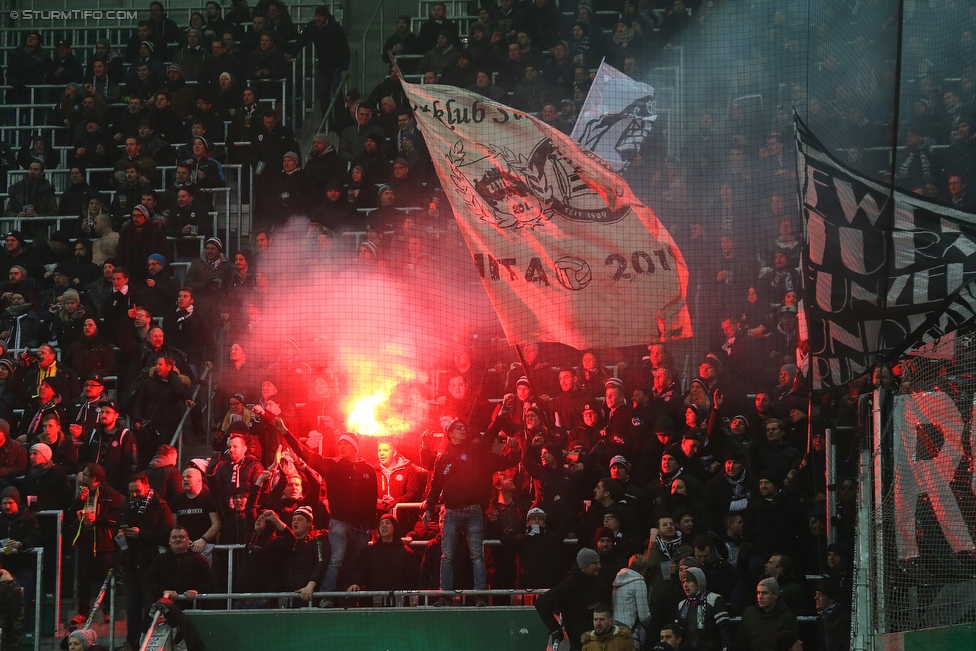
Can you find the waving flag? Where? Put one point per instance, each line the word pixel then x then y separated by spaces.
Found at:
pixel 883 273
pixel 617 117
pixel 564 249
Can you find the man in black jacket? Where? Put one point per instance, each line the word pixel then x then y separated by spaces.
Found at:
pixel 180 574
pixel 572 598
pixel 97 508
pixel 304 550
pixel 331 52
pixel 144 525
pixel 351 483
pixel 462 476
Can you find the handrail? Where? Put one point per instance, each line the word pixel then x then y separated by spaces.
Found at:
pixel 327 114
pixel 177 436
pixel 99 597
pixel 366 30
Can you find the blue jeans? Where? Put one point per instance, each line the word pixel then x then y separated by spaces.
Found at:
pixel 346 540
pixel 471 520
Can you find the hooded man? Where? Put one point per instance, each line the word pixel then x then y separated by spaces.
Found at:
pixel 703 614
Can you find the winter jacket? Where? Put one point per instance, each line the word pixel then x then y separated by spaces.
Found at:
pixel 179 572
pixel 107 502
pixel 13 459
pixel 573 597
pixel 386 566
pixel 116 452
pixel 704 618
pixel 303 560
pixel 154 524
pixel 617 639
pixel 630 604
pixel 404 481
pixel 462 473
pixel 539 562
pixel 758 626
pixel 351 485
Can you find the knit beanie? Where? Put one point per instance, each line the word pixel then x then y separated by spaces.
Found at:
pixel 586 556
pixel 771 583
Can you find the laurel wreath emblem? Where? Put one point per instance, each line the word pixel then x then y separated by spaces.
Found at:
pixel 525 197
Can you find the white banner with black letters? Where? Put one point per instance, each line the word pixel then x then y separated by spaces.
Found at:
pixel 882 273
pixel 564 249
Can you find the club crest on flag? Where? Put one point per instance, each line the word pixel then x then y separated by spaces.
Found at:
pixel 525 191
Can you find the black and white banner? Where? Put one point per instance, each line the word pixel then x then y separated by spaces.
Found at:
pixel 882 273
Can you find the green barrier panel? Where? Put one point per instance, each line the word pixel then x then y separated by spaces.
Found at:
pixel 949 638
pixel 381 629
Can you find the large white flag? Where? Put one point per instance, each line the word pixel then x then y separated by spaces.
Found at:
pixel 617 117
pixel 565 251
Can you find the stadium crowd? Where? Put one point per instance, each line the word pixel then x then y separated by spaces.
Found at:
pixel 693 497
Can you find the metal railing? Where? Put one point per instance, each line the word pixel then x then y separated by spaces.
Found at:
pixel 367 32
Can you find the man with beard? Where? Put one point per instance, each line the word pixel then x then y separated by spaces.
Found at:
pixel 144 526
pixel 33 195
pixel 138 240
pixel 112 446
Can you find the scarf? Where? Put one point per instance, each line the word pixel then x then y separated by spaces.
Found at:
pixel 90 506
pixel 699 601
pixel 670 548
pixel 667 480
pixel 41 470
pixel 624 37
pixel 923 160
pixel 140 504
pixel 213 263
pixel 183 315
pixel 740 497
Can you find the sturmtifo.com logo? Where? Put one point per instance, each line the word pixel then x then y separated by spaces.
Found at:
pixel 76 14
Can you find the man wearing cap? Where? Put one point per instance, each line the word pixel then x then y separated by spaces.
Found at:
pixel 97 508
pixel 623 433
pixel 95 148
pixel 192 57
pixel 290 192
pixel 732 489
pixel 46 481
pixel 462 479
pixel 620 470
pixel 332 53
pixel 138 240
pixel 760 623
pixel 703 614
pixel 21 531
pixel 572 599
pixel 65 66
pixel 833 617
pixel 323 164
pixel 111 446
pixel 180 573
pixel 83 412
pixel 537 551
pixel 28 64
pixel 352 486
pixel 774 520
pixel 304 550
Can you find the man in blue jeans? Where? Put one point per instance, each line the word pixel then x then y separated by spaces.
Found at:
pixel 462 478
pixel 351 483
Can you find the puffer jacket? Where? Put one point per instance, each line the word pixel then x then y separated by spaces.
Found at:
pixel 617 639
